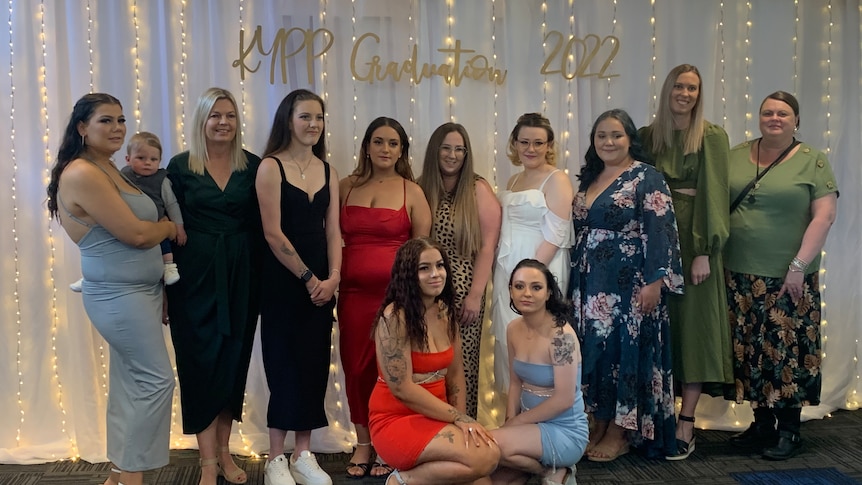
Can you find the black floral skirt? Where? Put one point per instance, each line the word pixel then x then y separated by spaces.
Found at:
pixel 776 342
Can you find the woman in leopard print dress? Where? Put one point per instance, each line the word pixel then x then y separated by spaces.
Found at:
pixel 468 235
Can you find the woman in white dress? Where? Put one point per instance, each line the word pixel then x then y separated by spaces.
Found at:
pixel 537 213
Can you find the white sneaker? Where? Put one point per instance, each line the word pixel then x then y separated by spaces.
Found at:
pixel 76 286
pixel 306 471
pixel 172 274
pixel 277 472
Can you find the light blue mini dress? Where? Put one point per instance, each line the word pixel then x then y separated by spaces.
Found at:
pixel 564 437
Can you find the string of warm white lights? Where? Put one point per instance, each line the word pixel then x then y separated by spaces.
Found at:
pixel 90 43
pixel 796 46
pixel 103 363
pixel 353 78
pixel 652 108
pixel 613 37
pixel 182 127
pixel 569 96
pixel 493 140
pixel 829 80
pixel 137 112
pixel 52 263
pixel 411 27
pixel 450 44
pixel 14 192
pixel 748 116
pixel 544 56
pixel 324 81
pixel 723 65
pixel 334 336
pixel 246 445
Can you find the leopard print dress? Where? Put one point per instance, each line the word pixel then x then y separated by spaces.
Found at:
pixel 462 279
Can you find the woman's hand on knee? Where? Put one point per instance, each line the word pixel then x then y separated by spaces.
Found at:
pixel 475 431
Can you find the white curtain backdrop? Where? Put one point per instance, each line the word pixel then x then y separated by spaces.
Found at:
pixel 158 56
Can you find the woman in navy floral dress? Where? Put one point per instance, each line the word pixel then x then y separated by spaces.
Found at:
pixel 625 259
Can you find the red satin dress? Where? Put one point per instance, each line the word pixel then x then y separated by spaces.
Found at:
pixel 400 434
pixel 372 236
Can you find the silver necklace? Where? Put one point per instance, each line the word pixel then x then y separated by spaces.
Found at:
pixel 298 167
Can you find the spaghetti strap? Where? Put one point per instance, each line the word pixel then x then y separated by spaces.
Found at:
pixel 72 216
pixel 547 178
pixel 280 168
pixel 517 177
pixel 404 204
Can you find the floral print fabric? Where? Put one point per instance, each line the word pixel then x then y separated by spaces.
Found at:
pixel 776 343
pixel 627 239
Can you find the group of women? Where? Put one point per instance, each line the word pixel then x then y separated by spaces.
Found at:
pixel 605 298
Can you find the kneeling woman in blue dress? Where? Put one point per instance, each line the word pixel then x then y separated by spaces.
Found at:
pixel 546 430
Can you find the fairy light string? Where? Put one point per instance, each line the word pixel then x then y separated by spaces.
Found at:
pixel 137 112
pixel 613 39
pixel 52 260
pixel 14 193
pixel 748 108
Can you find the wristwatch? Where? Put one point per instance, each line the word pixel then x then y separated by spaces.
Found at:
pixel 306 275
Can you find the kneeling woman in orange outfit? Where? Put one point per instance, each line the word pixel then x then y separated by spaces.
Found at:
pixel 417 411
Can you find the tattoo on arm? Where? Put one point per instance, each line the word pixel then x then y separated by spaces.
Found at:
pixel 458 417
pixel 286 250
pixel 452 391
pixel 564 348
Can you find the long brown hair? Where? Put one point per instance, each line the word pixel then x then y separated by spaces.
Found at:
pixel 465 211
pixel 281 134
pixel 663 126
pixel 405 294
pixel 364 168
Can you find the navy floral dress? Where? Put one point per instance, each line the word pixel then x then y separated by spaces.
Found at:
pixel 628 238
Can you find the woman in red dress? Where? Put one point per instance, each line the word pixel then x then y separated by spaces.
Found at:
pixel 418 408
pixel 381 208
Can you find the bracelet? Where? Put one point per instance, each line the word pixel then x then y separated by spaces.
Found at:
pixel 802 265
pixel 334 271
pixel 793 268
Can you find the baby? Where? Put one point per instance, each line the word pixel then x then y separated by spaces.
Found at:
pixel 142 169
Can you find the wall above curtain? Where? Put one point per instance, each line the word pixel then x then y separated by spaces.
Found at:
pixel 481 63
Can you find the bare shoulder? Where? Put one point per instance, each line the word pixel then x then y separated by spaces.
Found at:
pixel 484 190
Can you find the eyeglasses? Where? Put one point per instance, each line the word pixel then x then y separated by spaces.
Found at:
pixel 459 150
pixel 525 144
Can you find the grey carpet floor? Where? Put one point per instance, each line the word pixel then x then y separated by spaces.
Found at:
pixel 834 442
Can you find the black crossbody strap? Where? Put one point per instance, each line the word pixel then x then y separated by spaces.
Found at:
pixel 759 176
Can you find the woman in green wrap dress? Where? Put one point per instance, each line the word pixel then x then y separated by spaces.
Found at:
pixel 213 309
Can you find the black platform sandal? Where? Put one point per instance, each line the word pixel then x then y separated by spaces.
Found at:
pixel 683 449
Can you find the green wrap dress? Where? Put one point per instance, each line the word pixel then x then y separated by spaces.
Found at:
pixel 214 306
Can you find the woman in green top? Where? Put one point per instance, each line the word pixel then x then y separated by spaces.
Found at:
pixel 213 309
pixel 787 199
pixel 692 154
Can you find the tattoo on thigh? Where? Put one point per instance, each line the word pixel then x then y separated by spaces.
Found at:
pixel 447 435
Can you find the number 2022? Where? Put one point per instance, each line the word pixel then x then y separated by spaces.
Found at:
pixel 589 47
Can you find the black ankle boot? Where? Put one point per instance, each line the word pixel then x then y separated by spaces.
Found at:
pixel 789 445
pixel 761 434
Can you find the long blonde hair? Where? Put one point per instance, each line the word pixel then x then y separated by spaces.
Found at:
pixel 465 210
pixel 663 126
pixel 198 148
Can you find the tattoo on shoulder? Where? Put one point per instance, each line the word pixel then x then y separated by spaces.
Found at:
pixel 564 348
pixel 447 435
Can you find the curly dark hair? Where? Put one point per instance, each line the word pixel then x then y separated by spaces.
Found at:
pixel 594 165
pixel 404 294
pixel 557 305
pixel 72 145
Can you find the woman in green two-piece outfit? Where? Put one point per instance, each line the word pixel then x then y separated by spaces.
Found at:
pixel 213 309
pixel 692 154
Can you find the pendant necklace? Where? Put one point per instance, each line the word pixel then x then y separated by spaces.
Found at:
pixel 298 167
